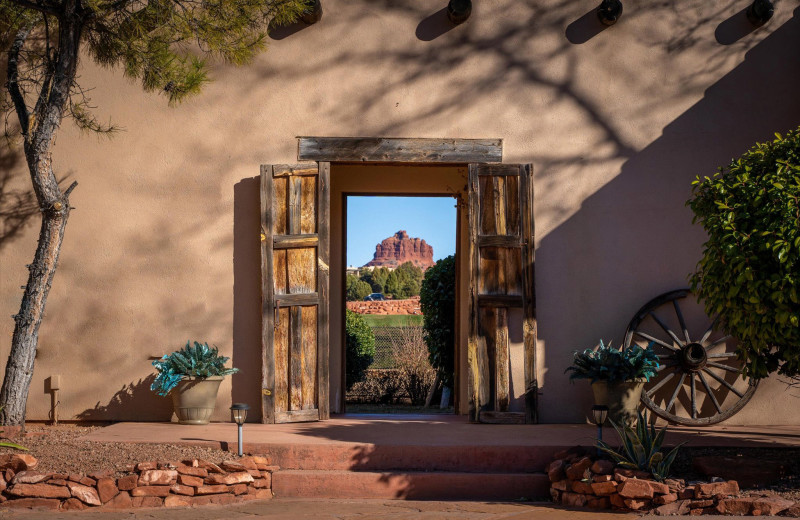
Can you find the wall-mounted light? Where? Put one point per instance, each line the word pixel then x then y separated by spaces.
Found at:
pixel 459 10
pixel 609 11
pixel 313 12
pixel 760 11
pixel 239 415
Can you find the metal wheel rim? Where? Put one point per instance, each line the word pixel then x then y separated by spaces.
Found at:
pixel 685 363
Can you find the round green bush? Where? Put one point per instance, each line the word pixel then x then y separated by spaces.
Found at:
pixel 356 289
pixel 360 348
pixel 437 301
pixel 750 271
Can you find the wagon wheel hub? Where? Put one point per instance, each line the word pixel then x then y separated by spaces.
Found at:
pixel 693 357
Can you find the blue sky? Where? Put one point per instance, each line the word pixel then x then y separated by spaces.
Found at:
pixel 371 219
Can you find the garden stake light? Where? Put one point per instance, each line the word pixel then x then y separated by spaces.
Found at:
pixel 599 415
pixel 238 415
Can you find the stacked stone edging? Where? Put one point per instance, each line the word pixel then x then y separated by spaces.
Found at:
pixel 580 480
pixel 193 482
pixel 387 307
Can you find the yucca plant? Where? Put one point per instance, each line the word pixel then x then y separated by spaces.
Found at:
pixel 9 444
pixel 641 448
pixel 606 363
pixel 198 360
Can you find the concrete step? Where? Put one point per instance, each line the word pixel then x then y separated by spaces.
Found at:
pixel 371 457
pixel 409 485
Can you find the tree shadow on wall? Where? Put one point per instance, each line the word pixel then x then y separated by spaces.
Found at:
pixel 16 206
pixel 134 402
pixel 634 238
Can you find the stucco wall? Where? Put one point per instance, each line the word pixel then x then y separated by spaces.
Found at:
pixel 163 244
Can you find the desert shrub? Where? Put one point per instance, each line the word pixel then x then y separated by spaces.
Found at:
pixel 438 305
pixel 359 347
pixel 748 274
pixel 378 386
pixel 356 289
pixel 411 359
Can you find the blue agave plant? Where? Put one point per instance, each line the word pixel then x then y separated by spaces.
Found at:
pixel 198 360
pixel 605 363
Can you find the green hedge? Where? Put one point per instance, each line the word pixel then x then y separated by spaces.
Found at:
pixel 360 348
pixel 438 304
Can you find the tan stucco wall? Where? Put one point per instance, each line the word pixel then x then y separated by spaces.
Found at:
pixel 163 244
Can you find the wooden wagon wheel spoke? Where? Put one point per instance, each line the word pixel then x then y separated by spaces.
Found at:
pixel 666 329
pixel 681 320
pixel 709 393
pixel 705 359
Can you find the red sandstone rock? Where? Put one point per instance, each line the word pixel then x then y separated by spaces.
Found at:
pixel 30 477
pixel 127 482
pixel 573 499
pixel 157 477
pixel 603 467
pixel 730 488
pixel 57 482
pixel 248 463
pixel 206 465
pixel 230 465
pixel 17 462
pixel 636 504
pixel 658 487
pixel 9 475
pixel 561 485
pixel 555 471
pixel 87 481
pixel 188 480
pixel 579 469
pixel 674 484
pixel 144 466
pixel 772 505
pixel 38 491
pixel 192 471
pixel 101 473
pixel 223 499
pixel 635 488
pixel 148 502
pixel 793 511
pixel 622 473
pixel 180 489
pixel 72 504
pixel 239 489
pixel 150 491
pixel 616 500
pixel 735 506
pixel 262 483
pixel 554 494
pixel 263 494
pixel 598 503
pixel 177 501
pixel 201 501
pixel 681 507
pixel 579 486
pixel 106 489
pixel 665 499
pixel 686 493
pixel 700 504
pixel 254 473
pixel 400 248
pixel 87 495
pixel 258 459
pixel 603 478
pixel 34 503
pixel 230 478
pixel 210 490
pixel 604 488
pixel 121 501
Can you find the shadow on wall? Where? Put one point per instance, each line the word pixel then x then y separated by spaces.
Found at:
pixel 637 227
pixel 16 206
pixel 247 295
pixel 134 396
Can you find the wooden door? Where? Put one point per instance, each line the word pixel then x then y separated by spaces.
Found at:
pixel 501 279
pixel 295 207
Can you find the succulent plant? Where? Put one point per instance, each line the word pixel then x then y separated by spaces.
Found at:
pixel 605 363
pixel 198 360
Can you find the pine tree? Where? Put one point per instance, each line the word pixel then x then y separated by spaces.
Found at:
pixel 161 43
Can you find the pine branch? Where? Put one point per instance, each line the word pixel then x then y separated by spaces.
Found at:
pixel 41 7
pixel 12 82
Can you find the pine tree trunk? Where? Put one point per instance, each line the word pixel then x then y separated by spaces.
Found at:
pixel 39 128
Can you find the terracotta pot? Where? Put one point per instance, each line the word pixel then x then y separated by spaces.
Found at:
pixel 194 399
pixel 621 398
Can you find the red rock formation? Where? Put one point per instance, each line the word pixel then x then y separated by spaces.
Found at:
pixel 399 249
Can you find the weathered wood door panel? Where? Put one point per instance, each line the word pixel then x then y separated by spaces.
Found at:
pixel 501 279
pixel 295 207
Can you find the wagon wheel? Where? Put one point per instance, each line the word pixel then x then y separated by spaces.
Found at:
pixel 699 379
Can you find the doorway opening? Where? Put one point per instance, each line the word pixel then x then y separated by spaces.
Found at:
pixel 400 257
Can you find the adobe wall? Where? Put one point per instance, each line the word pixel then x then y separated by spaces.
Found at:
pixel 163 244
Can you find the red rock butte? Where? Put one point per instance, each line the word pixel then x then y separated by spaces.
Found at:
pixel 399 249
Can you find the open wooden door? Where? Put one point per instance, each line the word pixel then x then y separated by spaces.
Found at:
pixel 295 207
pixel 501 279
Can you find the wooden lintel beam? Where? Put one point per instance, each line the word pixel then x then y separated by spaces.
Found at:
pixel 383 149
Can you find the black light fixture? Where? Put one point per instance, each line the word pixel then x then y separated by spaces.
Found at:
pixel 239 415
pixel 313 12
pixel 459 10
pixel 760 11
pixel 609 11
pixel 599 415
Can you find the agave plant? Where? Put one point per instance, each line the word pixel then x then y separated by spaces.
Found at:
pixel 641 448
pixel 606 363
pixel 198 360
pixel 9 444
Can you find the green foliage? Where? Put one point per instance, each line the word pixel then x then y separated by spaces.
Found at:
pixel 438 304
pixel 356 289
pixel 605 363
pixel 359 348
pixel 749 274
pixel 405 281
pixel 376 278
pixel 9 444
pixel 196 360
pixel 641 448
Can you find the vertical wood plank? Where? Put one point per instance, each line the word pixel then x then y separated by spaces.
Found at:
pixel 529 294
pixel 309 357
pixel 487 346
pixel 484 190
pixel 280 271
pixel 302 270
pixel 512 205
pixel 323 311
pixel 267 300
pixel 501 366
pixel 281 356
pixel 499 203
pixel 280 204
pixel 295 358
pixel 295 204
pixel 308 204
pixel 457 355
pixel 475 219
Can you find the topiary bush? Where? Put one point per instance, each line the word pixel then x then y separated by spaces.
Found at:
pixel 749 274
pixel 359 347
pixel 438 305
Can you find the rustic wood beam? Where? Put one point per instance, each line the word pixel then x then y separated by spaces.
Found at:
pixel 385 149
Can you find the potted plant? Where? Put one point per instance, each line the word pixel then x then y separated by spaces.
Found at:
pixel 192 375
pixel 617 377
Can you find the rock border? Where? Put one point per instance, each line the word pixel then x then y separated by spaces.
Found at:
pixel 187 483
pixel 579 479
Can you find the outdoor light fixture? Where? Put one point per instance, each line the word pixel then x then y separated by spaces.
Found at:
pixel 238 415
pixel 760 11
pixel 459 10
pixel 609 11
pixel 313 12
pixel 599 415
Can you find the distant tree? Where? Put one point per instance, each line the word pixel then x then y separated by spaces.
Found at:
pixel 438 304
pixel 376 278
pixel 161 43
pixel 356 289
pixel 405 281
pixel 359 348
